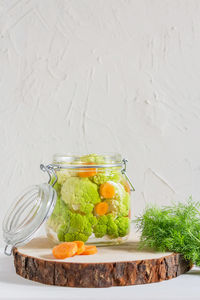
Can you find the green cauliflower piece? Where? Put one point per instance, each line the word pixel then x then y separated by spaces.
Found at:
pixel 114 228
pixel 123 224
pixel 93 158
pixel 70 237
pixel 92 219
pixel 62 176
pixel 54 222
pixel 61 232
pixel 100 229
pixel 60 213
pixel 57 208
pixel 80 194
pixel 104 175
pixel 120 204
pixel 76 227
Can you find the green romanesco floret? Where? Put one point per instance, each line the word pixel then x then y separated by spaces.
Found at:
pixel 112 229
pixel 62 176
pixel 93 158
pixel 123 224
pixel 100 229
pixel 119 205
pixel 54 222
pixel 108 225
pixel 76 227
pixel 57 208
pixel 60 213
pixel 104 175
pixel 92 219
pixel 80 194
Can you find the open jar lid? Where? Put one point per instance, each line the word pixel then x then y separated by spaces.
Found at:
pixel 26 215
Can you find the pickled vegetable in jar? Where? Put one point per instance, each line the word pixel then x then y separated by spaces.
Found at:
pixel 93 200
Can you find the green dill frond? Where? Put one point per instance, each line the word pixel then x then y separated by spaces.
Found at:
pixel 173 228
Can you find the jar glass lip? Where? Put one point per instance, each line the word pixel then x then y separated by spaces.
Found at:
pixel 97 159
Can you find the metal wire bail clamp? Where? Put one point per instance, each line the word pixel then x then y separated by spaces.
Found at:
pixel 51 172
pixel 124 161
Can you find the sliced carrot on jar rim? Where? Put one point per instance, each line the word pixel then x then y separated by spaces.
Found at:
pixel 81 247
pixel 87 172
pixel 107 190
pixel 90 250
pixel 101 208
pixel 65 250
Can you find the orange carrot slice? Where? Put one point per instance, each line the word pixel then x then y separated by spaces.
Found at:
pixel 89 250
pixel 107 190
pixel 87 172
pixel 101 208
pixel 65 250
pixel 81 247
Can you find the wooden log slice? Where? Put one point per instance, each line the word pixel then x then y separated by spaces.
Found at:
pixel 112 266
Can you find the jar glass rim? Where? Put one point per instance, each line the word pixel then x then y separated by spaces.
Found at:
pixel 75 159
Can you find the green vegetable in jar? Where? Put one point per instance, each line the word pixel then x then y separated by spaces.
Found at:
pixel 93 158
pixel 89 204
pixel 76 227
pixel 80 194
pixel 108 225
pixel 120 203
pixel 103 176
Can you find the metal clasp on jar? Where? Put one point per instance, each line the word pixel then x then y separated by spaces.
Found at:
pixel 51 172
pixel 126 176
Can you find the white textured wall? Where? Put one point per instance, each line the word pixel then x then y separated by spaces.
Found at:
pixel 93 75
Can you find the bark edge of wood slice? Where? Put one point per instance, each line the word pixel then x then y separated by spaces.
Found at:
pixel 99 274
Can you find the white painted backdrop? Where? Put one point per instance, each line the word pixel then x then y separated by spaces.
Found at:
pixel 102 75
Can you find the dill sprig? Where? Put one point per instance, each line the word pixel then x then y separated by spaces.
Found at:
pixel 173 228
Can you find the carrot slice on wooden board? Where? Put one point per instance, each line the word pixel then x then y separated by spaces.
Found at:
pixel 81 247
pixel 89 250
pixel 65 250
pixel 107 190
pixel 87 172
pixel 101 208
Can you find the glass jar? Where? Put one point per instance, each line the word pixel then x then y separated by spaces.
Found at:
pixel 93 199
pixel 86 198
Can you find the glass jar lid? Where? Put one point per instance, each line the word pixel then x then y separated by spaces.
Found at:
pixel 75 161
pixel 27 214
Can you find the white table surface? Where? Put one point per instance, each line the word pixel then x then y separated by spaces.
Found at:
pixel 12 286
